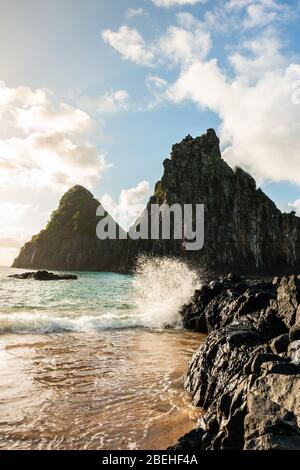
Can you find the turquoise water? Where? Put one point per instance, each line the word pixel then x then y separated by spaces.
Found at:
pixel 95 300
pixel 88 364
pixel 152 298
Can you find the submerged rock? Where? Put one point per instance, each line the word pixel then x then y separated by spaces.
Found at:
pixel 246 376
pixel 44 276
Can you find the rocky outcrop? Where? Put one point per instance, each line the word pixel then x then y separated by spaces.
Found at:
pixel 44 276
pixel 244 230
pixel 69 241
pixel 246 376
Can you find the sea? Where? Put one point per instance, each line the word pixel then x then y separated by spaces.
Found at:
pixel 98 362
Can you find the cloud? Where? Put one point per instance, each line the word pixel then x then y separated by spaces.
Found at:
pixel 260 124
pixel 51 159
pixel 13 210
pixel 181 44
pixel 42 143
pixel 20 221
pixel 130 44
pixel 109 103
pixel 11 240
pixel 12 237
pixel 259 13
pixel 254 93
pixel 185 43
pixel 130 204
pixel 243 15
pixel 63 118
pixel 176 3
pixel 295 206
pixel 133 12
pixel 23 110
pixel 258 56
pixel 7 242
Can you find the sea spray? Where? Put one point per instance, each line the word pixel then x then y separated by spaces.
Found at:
pixel 161 287
pixel 149 299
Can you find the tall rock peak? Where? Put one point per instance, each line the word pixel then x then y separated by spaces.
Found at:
pixel 244 230
pixel 69 240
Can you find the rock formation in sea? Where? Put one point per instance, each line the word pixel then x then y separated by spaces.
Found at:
pixel 246 376
pixel 244 230
pixel 69 242
pixel 44 276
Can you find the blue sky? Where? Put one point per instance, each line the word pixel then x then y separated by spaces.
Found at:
pixel 96 92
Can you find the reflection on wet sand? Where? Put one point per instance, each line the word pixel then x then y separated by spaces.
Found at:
pixel 113 389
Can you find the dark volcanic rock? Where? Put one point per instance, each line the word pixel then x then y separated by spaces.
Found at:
pixel 244 230
pixel 44 276
pixel 69 241
pixel 246 375
pixel 189 442
pixel 219 303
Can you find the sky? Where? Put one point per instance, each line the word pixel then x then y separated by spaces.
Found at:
pixel 96 93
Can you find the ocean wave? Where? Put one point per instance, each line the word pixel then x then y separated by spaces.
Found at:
pixel 152 299
pixel 46 323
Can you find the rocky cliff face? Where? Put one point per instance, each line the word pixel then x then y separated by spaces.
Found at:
pixel 69 241
pixel 244 231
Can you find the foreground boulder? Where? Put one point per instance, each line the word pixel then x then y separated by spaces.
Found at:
pixel 44 276
pixel 246 376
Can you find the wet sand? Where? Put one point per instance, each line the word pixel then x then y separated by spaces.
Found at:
pixel 112 389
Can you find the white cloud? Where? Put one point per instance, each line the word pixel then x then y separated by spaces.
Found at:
pixel 42 143
pixel 250 63
pixel 63 118
pixel 184 44
pixel 253 94
pixel 156 83
pixel 260 123
pixel 109 103
pixel 23 110
pixel 263 12
pixel 130 204
pixel 245 15
pixel 13 233
pixel 295 206
pixel 133 12
pixel 8 242
pixel 13 210
pixel 174 3
pixel 130 44
pixel 158 87
pixel 49 159
pixel 181 44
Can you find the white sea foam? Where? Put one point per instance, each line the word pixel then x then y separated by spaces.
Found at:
pixel 162 286
pixel 153 298
pixel 26 322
